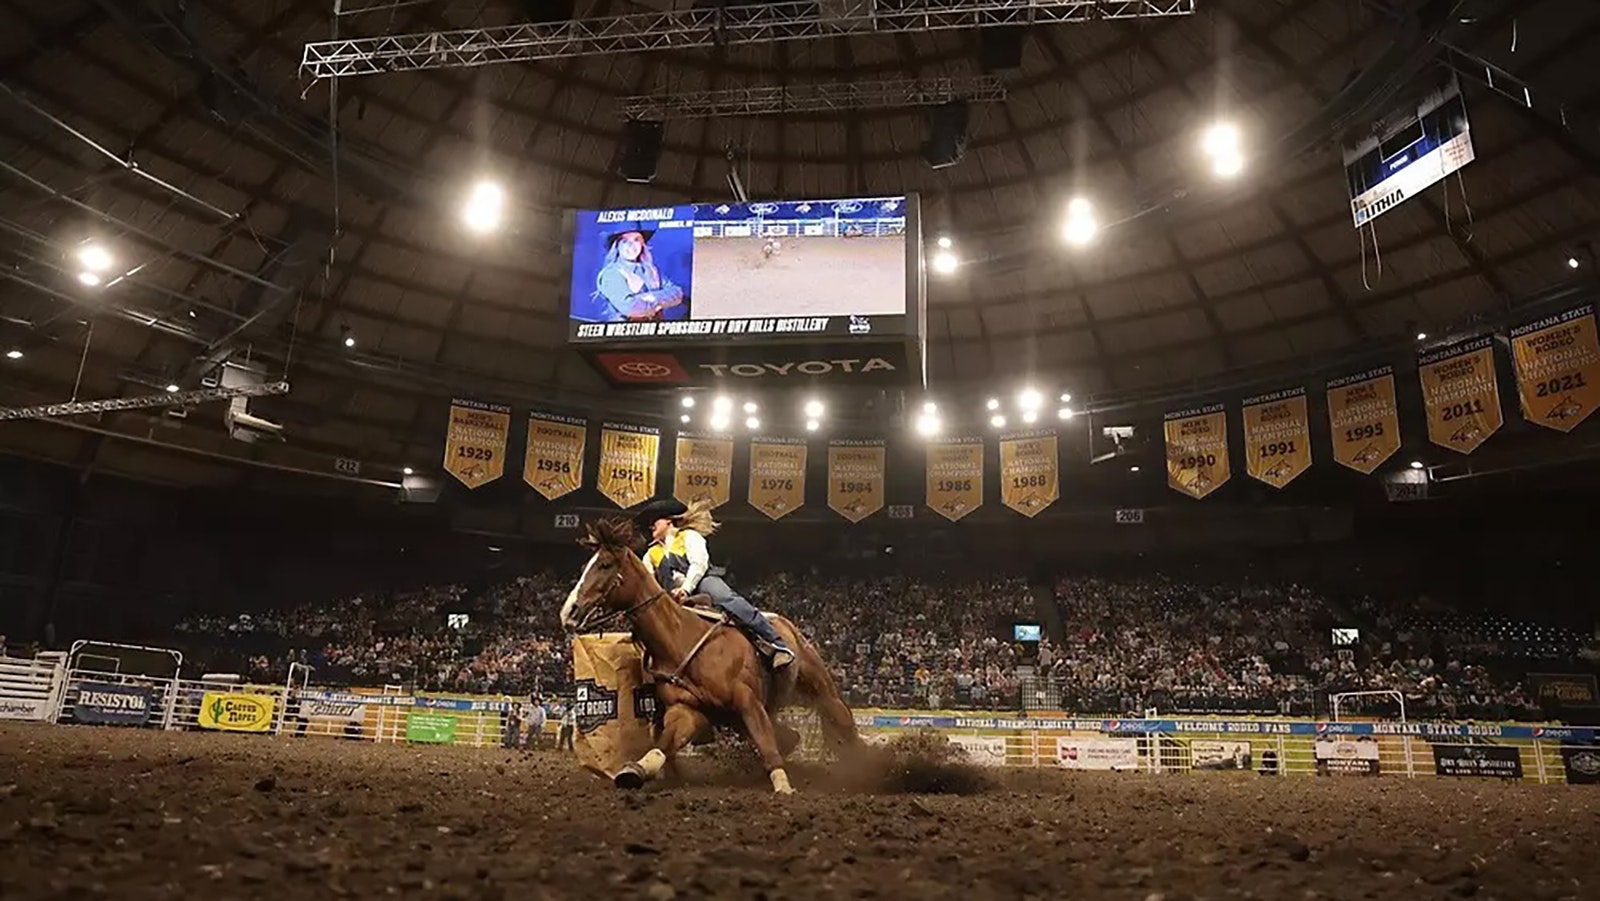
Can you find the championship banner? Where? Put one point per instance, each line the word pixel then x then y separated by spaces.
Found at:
pixel 1460 394
pixel 628 455
pixel 553 465
pixel 1277 437
pixel 475 445
pixel 1364 418
pixel 1557 362
pixel 777 475
pixel 855 478
pixel 1030 472
pixel 703 469
pixel 1197 450
pixel 955 477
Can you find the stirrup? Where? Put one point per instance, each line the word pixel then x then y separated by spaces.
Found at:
pixel 777 657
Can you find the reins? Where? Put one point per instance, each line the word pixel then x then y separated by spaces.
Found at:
pixel 676 676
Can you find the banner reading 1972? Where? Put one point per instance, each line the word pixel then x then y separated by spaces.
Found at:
pixel 475 444
pixel 1277 437
pixel 1030 472
pixel 1460 394
pixel 628 456
pixel 553 463
pixel 955 476
pixel 1558 368
pixel 1364 419
pixel 777 475
pixel 1197 450
pixel 703 469
pixel 855 477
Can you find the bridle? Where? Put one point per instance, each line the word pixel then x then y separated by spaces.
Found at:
pixel 585 625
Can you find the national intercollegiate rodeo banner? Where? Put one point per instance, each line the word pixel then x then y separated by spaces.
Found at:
pixel 553 463
pixel 1558 368
pixel 955 476
pixel 777 475
pixel 1197 450
pixel 703 469
pixel 1030 472
pixel 855 477
pixel 1364 419
pixel 475 445
pixel 1277 437
pixel 1460 394
pixel 628 455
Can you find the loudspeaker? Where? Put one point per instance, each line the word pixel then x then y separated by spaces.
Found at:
pixel 947 141
pixel 1000 47
pixel 641 150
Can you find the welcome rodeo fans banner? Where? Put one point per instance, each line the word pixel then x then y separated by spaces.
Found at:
pixel 1460 394
pixel 1030 471
pixel 955 477
pixel 628 455
pixel 777 475
pixel 475 445
pixel 1197 450
pixel 703 469
pixel 1277 437
pixel 612 704
pixel 553 464
pixel 1557 360
pixel 855 477
pixel 1364 419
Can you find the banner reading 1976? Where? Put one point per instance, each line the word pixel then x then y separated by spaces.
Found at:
pixel 628 455
pixel 703 470
pixel 1558 368
pixel 475 444
pixel 955 476
pixel 1030 473
pixel 1364 419
pixel 855 477
pixel 1460 394
pixel 1277 437
pixel 777 475
pixel 1197 450
pixel 553 463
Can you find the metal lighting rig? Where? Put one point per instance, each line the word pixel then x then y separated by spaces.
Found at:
pixel 811 98
pixel 169 399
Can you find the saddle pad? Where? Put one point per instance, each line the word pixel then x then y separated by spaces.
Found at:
pixel 700 605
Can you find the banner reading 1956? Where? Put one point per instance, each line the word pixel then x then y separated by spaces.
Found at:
pixel 553 463
pixel 1558 368
pixel 1030 472
pixel 855 477
pixel 628 455
pixel 955 476
pixel 475 444
pixel 1460 394
pixel 1277 437
pixel 777 475
pixel 1364 419
pixel 703 469
pixel 1197 450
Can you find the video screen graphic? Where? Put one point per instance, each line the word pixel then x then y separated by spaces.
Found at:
pixel 1026 632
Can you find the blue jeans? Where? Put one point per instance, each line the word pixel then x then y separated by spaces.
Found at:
pixel 724 598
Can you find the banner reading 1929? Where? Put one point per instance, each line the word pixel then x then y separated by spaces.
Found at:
pixel 1364 419
pixel 1277 437
pixel 628 455
pixel 703 469
pixel 1558 368
pixel 1197 450
pixel 553 463
pixel 777 475
pixel 475 444
pixel 1030 472
pixel 855 477
pixel 1460 394
pixel 955 476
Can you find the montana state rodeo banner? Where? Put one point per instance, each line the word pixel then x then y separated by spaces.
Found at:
pixel 1558 369
pixel 1197 450
pixel 855 477
pixel 1460 394
pixel 955 477
pixel 1364 419
pixel 703 469
pixel 777 475
pixel 628 455
pixel 1030 472
pixel 475 445
pixel 553 462
pixel 1277 437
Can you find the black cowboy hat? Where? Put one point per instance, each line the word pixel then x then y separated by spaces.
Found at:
pixel 627 228
pixel 661 508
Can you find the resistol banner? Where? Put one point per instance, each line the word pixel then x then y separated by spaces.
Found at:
pixel 1197 450
pixel 955 476
pixel 1557 361
pixel 703 469
pixel 475 445
pixel 1364 419
pixel 553 464
pixel 1030 472
pixel 1460 394
pixel 855 477
pixel 628 459
pixel 1277 437
pixel 777 475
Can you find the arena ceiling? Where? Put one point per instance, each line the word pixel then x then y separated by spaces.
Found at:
pixel 186 137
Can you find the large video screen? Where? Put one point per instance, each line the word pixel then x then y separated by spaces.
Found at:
pixel 720 271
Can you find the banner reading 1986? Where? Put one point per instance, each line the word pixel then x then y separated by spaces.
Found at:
pixel 777 475
pixel 855 477
pixel 1558 368
pixel 553 463
pixel 703 470
pixel 1364 419
pixel 1460 394
pixel 628 455
pixel 1197 450
pixel 475 445
pixel 955 476
pixel 1277 437
pixel 1030 473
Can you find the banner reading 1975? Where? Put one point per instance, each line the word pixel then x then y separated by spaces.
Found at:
pixel 1558 368
pixel 1460 394
pixel 1030 472
pixel 1277 437
pixel 628 455
pixel 703 469
pixel 1197 450
pixel 475 444
pixel 1364 419
pixel 955 476
pixel 855 477
pixel 777 475
pixel 553 463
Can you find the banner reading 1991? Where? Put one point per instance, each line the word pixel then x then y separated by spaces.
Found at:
pixel 955 476
pixel 1197 450
pixel 553 463
pixel 1460 394
pixel 855 477
pixel 777 475
pixel 703 470
pixel 1558 368
pixel 1277 437
pixel 628 456
pixel 475 444
pixel 1364 419
pixel 1030 473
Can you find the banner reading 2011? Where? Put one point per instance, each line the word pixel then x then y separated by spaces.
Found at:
pixel 855 478
pixel 628 455
pixel 1197 450
pixel 703 470
pixel 1364 419
pixel 1558 368
pixel 1460 394
pixel 1030 472
pixel 553 463
pixel 955 477
pixel 1277 437
pixel 777 475
pixel 475 444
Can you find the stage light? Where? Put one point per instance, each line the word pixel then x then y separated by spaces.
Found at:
pixel 1572 263
pixel 1029 399
pixel 1416 464
pixel 812 425
pixel 1422 336
pixel 945 262
pixel 13 354
pixel 349 340
pixel 1133 469
pixel 720 422
pixel 89 278
pixel 993 403
pixel 1079 232
pixel 684 419
pixel 1066 398
pixel 1228 164
pixel 95 257
pixel 407 470
pixel 722 405
pixel 484 207
pixel 1064 413
pixel 1030 417
pixel 945 243
pixel 997 421
pixel 929 407
pixel 1079 207
pixel 688 402
pixel 928 424
pixel 752 423
pixel 1221 140
pixel 750 406
pixel 814 409
pixel 172 388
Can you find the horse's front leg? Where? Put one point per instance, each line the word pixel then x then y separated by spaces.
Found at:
pixel 759 727
pixel 679 724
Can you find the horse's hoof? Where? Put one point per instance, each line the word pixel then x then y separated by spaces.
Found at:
pixel 630 777
pixel 786 790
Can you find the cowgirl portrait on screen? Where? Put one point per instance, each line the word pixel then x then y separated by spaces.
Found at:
pixel 629 286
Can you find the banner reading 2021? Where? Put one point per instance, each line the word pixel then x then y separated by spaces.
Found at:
pixel 777 475
pixel 1558 368
pixel 1364 419
pixel 1460 394
pixel 553 463
pixel 1197 450
pixel 1277 437
pixel 475 444
pixel 628 455
pixel 703 470
pixel 1030 472
pixel 955 477
pixel 855 477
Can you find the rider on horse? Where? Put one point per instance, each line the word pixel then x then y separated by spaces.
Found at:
pixel 679 558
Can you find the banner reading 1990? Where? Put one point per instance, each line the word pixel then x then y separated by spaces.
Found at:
pixel 1364 419
pixel 1558 368
pixel 1030 473
pixel 553 463
pixel 475 444
pixel 777 475
pixel 955 476
pixel 1460 394
pixel 703 469
pixel 628 456
pixel 855 477
pixel 1277 437
pixel 1197 450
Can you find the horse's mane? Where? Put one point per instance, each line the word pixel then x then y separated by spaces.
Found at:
pixel 609 532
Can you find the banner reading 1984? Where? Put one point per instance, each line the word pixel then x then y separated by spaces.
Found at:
pixel 475 445
pixel 553 464
pixel 628 455
pixel 1364 419
pixel 1197 450
pixel 955 476
pixel 777 475
pixel 1277 437
pixel 855 477
pixel 703 469
pixel 1558 368
pixel 1030 473
pixel 1460 394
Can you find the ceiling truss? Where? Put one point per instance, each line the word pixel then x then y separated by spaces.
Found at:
pixel 771 99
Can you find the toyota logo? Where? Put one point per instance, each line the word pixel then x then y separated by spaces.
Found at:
pixel 643 369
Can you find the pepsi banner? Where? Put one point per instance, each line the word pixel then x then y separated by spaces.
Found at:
pixel 105 704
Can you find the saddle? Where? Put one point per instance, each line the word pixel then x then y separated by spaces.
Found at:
pixel 700 605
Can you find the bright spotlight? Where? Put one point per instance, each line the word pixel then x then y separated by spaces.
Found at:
pixel 407 470
pixel 929 407
pixel 928 424
pixel 349 340
pixel 95 257
pixel 993 403
pixel 1079 208
pixel 812 425
pixel 752 423
pixel 722 404
pixel 688 402
pixel 945 262
pixel 1422 336
pixel 1228 164
pixel 1029 399
pixel 750 406
pixel 997 421
pixel 1030 417
pixel 1064 413
pixel 1572 262
pixel 1221 140
pixel 1079 231
pixel 1066 398
pixel 720 422
pixel 814 409
pixel 484 207
pixel 13 354
pixel 1133 469
pixel 1416 464
pixel 172 388
pixel 684 419
pixel 89 278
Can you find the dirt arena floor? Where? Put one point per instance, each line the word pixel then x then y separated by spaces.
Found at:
pixel 809 277
pixel 98 812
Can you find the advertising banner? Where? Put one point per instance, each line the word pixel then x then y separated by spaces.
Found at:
pixel 955 476
pixel 777 475
pixel 1564 689
pixel 1557 361
pixel 1277 437
pixel 703 469
pixel 23 708
pixel 1219 755
pixel 1460 394
pixel 553 464
pixel 106 704
pixel 430 728
pixel 1497 761
pixel 1097 753
pixel 1364 418
pixel 1030 472
pixel 338 715
pixel 236 712
pixel 612 703
pixel 1582 763
pixel 855 477
pixel 1197 450
pixel 983 750
pixel 628 460
pixel 1347 756
pixel 475 444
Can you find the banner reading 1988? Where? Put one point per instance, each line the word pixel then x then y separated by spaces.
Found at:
pixel 475 445
pixel 703 470
pixel 1197 450
pixel 1277 437
pixel 1030 473
pixel 628 455
pixel 855 477
pixel 1364 419
pixel 777 475
pixel 1460 394
pixel 955 476
pixel 1558 368
pixel 553 463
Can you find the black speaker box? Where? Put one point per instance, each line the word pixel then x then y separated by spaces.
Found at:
pixel 947 140
pixel 1000 47
pixel 641 151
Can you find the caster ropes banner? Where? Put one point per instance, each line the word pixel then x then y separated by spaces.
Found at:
pixel 703 469
pixel 777 475
pixel 1277 437
pixel 1557 361
pixel 1030 472
pixel 855 477
pixel 475 445
pixel 1460 394
pixel 628 460
pixel 1364 419
pixel 553 464
pixel 1197 450
pixel 955 477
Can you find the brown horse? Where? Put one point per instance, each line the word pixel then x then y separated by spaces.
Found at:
pixel 706 674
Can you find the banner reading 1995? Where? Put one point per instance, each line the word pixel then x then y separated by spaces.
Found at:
pixel 553 463
pixel 855 477
pixel 955 476
pixel 703 469
pixel 475 444
pixel 1558 368
pixel 1197 450
pixel 1277 437
pixel 1030 473
pixel 1460 394
pixel 777 475
pixel 1364 419
pixel 628 455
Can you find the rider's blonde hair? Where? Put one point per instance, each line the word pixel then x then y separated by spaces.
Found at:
pixel 698 518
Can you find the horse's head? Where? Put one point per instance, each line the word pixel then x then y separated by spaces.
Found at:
pixel 613 580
